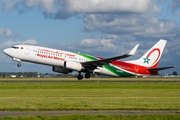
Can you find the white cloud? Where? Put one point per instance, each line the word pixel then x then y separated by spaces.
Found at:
pixel 48 5
pixel 178 14
pixel 29 41
pixel 98 45
pixel 104 44
pixel 10 4
pixel 69 8
pixel 107 6
pixel 174 5
pixel 162 0
pixel 146 25
pixel 66 8
pixel 156 9
pixel 110 45
pixel 5 32
pixel 174 44
pixel 10 43
pixel 166 51
pixel 90 42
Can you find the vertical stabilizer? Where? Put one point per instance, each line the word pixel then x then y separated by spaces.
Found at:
pixel 152 57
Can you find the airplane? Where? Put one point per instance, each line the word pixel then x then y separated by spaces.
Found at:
pixel 67 62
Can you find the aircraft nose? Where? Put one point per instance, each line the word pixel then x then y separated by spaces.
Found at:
pixel 6 51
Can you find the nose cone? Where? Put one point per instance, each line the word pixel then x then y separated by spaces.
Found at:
pixel 6 51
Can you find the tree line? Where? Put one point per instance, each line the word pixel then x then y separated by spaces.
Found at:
pixel 33 74
pixel 36 74
pixel 19 74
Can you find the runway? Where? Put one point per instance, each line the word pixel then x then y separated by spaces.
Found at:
pixel 83 81
pixel 50 113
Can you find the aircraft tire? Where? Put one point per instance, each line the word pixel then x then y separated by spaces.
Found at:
pixel 87 75
pixel 79 77
pixel 19 65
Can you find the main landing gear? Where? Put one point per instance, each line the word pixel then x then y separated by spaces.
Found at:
pixel 87 75
pixel 80 77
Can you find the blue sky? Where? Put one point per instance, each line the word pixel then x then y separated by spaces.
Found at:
pixel 97 27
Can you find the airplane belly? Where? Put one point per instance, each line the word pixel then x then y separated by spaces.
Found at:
pixel 114 71
pixel 104 71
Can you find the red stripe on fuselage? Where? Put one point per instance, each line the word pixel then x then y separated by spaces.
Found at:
pixel 133 68
pixel 138 69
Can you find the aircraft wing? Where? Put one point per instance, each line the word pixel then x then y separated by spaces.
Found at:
pixel 108 60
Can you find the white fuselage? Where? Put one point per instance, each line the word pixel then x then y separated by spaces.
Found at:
pixel 66 62
pixel 48 56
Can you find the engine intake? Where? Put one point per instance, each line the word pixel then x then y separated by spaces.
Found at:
pixel 73 65
pixel 61 70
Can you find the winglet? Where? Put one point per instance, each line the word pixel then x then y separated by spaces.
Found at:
pixel 132 52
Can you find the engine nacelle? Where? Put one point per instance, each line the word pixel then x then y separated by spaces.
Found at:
pixel 73 65
pixel 61 70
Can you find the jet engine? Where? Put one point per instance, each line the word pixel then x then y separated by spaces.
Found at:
pixel 73 65
pixel 61 70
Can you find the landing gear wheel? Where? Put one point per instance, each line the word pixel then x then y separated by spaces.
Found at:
pixel 79 77
pixel 19 65
pixel 87 75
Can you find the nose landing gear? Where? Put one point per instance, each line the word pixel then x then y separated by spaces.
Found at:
pixel 18 60
pixel 19 64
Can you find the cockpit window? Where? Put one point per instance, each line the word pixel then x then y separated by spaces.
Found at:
pixel 15 47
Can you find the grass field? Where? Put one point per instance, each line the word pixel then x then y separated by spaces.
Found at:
pixel 96 117
pixel 99 79
pixel 24 96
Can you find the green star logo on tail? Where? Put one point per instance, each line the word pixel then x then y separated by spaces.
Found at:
pixel 146 60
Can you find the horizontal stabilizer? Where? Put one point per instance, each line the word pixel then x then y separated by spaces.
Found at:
pixel 161 68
